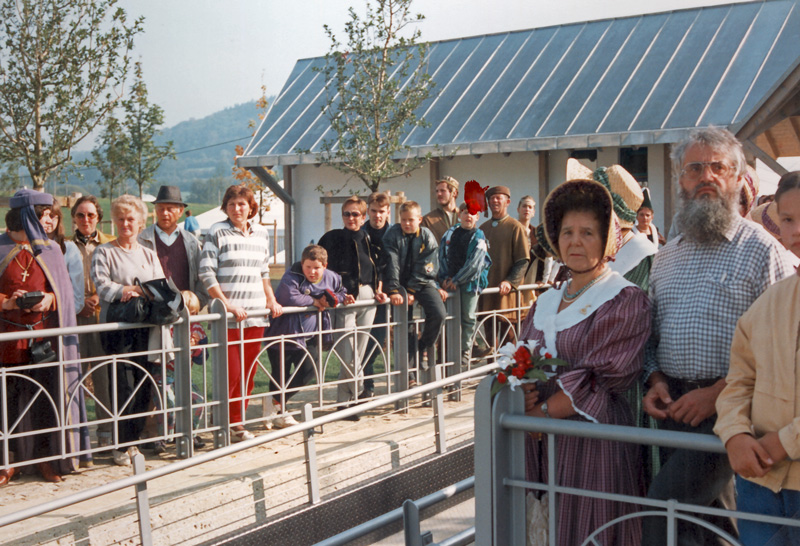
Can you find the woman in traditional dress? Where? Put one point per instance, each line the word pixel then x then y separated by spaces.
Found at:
pixel 234 268
pixel 598 322
pixel 29 262
pixel 115 268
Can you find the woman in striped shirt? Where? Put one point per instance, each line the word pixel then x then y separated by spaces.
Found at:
pixel 234 268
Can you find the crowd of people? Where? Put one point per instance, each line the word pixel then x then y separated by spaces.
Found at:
pixel 654 334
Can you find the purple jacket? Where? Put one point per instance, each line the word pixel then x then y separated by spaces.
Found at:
pixel 295 291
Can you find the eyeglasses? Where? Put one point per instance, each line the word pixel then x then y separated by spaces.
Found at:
pixel 350 214
pixel 88 215
pixel 695 170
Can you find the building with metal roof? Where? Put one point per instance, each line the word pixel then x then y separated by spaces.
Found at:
pixel 511 108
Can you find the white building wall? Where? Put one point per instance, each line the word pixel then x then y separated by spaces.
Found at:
pixel 519 171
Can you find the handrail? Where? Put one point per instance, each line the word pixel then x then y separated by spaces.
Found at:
pixel 183 464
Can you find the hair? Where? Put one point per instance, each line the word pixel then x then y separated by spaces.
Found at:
pixel 380 198
pixel 129 203
pixel 579 199
pixel 410 206
pixel 451 182
pixel 789 181
pixel 314 253
pixel 526 198
pixel 462 207
pixel 191 301
pixel 188 213
pixel 358 202
pixel 58 235
pixel 716 138
pixel 244 192
pixel 14 217
pixel 91 199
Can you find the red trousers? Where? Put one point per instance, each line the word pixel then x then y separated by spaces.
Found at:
pixel 235 368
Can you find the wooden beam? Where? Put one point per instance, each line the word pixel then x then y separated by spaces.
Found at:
pixel 288 217
pixel 784 93
pixel 751 147
pixel 774 149
pixel 544 179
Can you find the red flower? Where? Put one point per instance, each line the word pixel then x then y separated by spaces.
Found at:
pixel 548 355
pixel 519 372
pixel 522 356
pixel 501 378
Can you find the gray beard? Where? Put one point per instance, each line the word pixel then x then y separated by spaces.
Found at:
pixel 705 220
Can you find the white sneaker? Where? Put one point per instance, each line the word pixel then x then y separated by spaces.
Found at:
pixel 285 421
pixel 241 435
pixel 121 458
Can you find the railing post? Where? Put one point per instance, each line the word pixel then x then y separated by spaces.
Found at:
pixel 183 386
pixel 312 470
pixel 453 341
pixel 142 500
pixel 218 340
pixel 484 518
pixel 401 348
pixel 438 416
pixel 411 529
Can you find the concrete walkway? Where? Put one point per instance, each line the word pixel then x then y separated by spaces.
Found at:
pixel 219 497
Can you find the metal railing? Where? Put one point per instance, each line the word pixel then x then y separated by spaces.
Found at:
pixel 500 481
pixel 189 400
pixel 139 481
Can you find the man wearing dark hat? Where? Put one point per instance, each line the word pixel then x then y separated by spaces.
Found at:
pixel 509 250
pixel 178 250
pixel 33 268
pixel 445 215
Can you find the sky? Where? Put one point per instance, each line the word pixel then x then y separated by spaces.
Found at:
pixel 200 56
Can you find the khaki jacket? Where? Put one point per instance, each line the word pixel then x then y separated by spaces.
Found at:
pixel 763 383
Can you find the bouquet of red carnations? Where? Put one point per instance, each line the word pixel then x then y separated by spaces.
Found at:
pixel 520 364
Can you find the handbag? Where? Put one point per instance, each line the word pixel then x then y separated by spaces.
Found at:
pixel 165 301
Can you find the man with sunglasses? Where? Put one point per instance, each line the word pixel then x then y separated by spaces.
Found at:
pixel 86 214
pixel 350 254
pixel 700 284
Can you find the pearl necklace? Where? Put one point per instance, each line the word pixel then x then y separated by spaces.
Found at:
pixel 569 298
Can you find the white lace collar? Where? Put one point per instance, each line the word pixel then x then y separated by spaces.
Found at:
pixel 549 321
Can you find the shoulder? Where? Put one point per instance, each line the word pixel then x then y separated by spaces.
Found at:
pixel 104 238
pixel 188 235
pixel 783 293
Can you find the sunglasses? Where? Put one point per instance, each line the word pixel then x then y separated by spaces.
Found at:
pixel 89 215
pixel 351 214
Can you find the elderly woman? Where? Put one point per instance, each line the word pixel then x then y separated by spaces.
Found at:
pixel 115 268
pixel 234 267
pixel 598 322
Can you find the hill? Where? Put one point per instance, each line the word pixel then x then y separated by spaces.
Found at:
pixel 204 148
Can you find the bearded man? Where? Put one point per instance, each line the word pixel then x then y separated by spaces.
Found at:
pixel 700 284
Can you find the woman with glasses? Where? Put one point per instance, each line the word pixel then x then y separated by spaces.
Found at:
pixel 86 215
pixel 351 255
pixel 234 267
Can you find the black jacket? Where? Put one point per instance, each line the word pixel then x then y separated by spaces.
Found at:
pixel 344 247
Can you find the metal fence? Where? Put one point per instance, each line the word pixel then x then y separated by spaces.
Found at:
pixel 188 377
pixel 500 481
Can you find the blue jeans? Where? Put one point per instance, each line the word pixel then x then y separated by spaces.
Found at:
pixel 751 497
pixel 469 304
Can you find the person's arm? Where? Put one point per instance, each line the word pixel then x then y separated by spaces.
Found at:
pixel 72 257
pixel 275 308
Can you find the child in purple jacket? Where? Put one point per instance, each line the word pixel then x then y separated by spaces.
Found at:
pixel 307 283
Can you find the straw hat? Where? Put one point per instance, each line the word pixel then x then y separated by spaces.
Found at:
pixel 625 190
pixel 557 204
pixel 766 216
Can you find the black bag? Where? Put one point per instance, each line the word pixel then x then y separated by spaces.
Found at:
pixel 133 310
pixel 165 301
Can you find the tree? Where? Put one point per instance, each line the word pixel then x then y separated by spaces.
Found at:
pixel 62 67
pixel 375 87
pixel 109 158
pixel 141 125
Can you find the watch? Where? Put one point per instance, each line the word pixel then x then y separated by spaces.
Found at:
pixel 544 409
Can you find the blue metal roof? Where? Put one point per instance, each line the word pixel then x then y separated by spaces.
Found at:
pixel 634 80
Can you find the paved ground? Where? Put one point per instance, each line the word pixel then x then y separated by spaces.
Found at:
pixel 215 498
